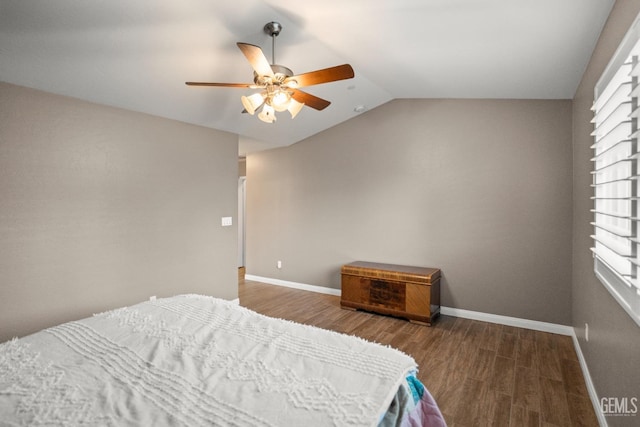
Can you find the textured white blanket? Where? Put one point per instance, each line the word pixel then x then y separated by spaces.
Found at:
pixel 193 360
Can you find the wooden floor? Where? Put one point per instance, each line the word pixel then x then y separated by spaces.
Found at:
pixel 479 373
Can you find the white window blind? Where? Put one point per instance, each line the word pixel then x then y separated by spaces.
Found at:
pixel 616 175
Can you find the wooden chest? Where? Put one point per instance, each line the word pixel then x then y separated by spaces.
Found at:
pixel 403 291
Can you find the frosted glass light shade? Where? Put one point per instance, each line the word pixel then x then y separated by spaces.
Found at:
pixel 280 100
pixel 252 103
pixel 295 107
pixel 268 114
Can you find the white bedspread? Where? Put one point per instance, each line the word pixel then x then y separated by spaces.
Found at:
pixel 193 360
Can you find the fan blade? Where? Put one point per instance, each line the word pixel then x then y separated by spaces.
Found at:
pixel 310 100
pixel 332 74
pixel 220 84
pixel 256 58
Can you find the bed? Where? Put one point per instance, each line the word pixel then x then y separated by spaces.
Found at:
pixel 193 360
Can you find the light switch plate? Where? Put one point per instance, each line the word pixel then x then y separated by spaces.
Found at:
pixel 227 221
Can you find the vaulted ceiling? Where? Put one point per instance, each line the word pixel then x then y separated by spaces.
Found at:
pixel 138 54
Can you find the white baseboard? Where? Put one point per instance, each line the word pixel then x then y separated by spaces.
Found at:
pixel 235 301
pixel 295 285
pixel 589 383
pixel 484 317
pixel 509 321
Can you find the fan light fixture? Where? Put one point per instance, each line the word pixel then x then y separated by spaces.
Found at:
pixel 271 99
pixel 279 88
pixel 276 96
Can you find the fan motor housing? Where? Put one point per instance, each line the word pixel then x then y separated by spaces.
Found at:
pixel 280 71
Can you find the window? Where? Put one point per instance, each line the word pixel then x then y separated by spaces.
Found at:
pixel 616 175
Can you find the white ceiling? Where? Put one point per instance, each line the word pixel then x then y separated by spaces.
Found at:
pixel 138 54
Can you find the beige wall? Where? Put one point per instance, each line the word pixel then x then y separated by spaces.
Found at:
pixel 478 188
pixel 101 207
pixel 613 350
pixel 242 167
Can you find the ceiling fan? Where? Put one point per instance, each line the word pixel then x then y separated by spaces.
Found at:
pixel 279 87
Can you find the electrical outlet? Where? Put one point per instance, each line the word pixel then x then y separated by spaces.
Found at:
pixel 586 332
pixel 279 264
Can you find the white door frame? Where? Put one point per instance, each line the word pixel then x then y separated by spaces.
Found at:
pixel 242 201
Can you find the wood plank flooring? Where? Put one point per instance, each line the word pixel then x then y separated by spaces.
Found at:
pixel 479 373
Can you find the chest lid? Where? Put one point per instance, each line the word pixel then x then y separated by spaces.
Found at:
pixel 399 273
